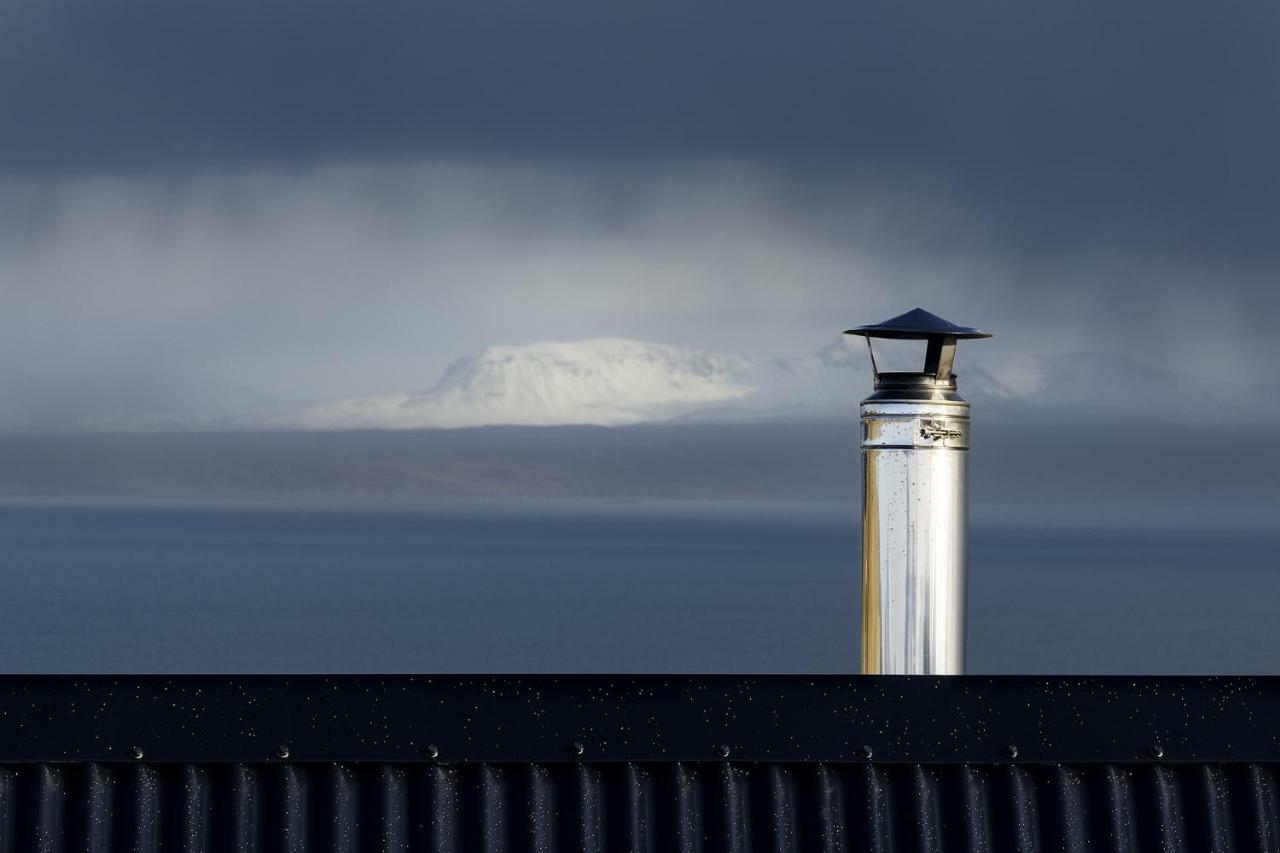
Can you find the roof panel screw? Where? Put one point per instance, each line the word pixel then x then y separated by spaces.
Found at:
pixel 867 752
pixel 578 747
pixel 282 751
pixel 136 752
pixel 432 751
pixel 723 750
pixel 1157 751
pixel 1011 750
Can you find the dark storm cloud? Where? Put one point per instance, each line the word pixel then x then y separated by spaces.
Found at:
pixel 1159 117
pixel 1145 89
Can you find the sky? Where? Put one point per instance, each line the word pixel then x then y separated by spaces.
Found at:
pixel 216 204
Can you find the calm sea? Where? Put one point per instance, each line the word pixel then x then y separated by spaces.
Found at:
pixel 661 589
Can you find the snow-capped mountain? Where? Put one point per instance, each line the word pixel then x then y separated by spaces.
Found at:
pixel 614 382
pixel 603 381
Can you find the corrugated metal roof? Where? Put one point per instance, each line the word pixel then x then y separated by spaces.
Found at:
pixel 709 806
pixel 637 763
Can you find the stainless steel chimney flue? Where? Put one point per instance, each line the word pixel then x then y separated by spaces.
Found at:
pixel 915 440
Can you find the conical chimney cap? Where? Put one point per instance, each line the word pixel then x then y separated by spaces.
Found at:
pixel 917 324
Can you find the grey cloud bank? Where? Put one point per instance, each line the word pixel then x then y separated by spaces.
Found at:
pixel 206 299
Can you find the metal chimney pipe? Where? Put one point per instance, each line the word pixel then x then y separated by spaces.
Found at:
pixel 915 440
